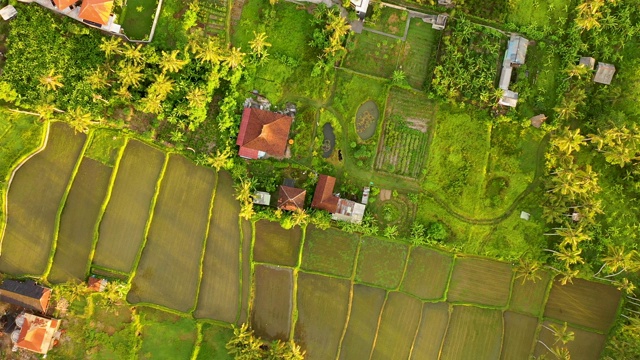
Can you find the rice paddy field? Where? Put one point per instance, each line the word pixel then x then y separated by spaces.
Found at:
pixel 171 229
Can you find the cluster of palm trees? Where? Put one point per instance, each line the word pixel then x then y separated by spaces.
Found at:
pixel 244 345
pixel 330 38
pixel 562 336
pixel 589 14
pixel 620 145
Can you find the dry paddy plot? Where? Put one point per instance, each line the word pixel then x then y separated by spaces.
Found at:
pixel 519 333
pixel 78 221
pixel 123 224
pixel 398 326
pixel 528 297
pixel 433 326
pixel 33 202
pixel 480 281
pixel 220 288
pixel 329 251
pixel 584 303
pixel 169 269
pixel 366 307
pixel 275 245
pixel 473 333
pixel 323 304
pixel 585 346
pixel 247 236
pixel 427 273
pixel 271 314
pixel 381 262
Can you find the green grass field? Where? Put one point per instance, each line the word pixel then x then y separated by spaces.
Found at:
pixel 105 146
pixel 122 228
pixel 213 346
pixel 392 21
pixel 381 263
pixel 418 56
pixel 373 54
pixel 166 336
pixel 34 200
pixel 168 273
pixel 79 220
pixel 137 18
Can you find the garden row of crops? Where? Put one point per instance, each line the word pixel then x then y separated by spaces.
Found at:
pixel 404 150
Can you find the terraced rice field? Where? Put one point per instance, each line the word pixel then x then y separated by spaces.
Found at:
pixel 275 245
pixel 220 288
pixel 366 307
pixel 427 273
pixel 519 331
pixel 272 305
pixel 473 333
pixel 433 326
pixel 123 225
pixel 529 297
pixel 34 200
pixel 480 281
pixel 398 324
pixel 78 221
pixel 381 263
pixel 330 251
pixel 586 345
pixel 168 273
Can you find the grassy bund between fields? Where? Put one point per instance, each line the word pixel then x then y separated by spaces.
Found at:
pixel 107 204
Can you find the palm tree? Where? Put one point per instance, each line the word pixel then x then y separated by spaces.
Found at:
pixel 79 120
pixel 133 53
pixel 129 75
pixel 300 217
pixel 171 63
pixel 527 269
pixel 243 344
pixel 572 236
pixel 568 255
pixel 162 86
pixel 561 334
pixel 234 58
pixel 625 285
pixel 617 258
pixel 567 276
pixel 209 52
pixel 568 141
pixel 244 191
pixel 98 79
pixel 259 44
pixel 51 81
pixel 197 98
pixel 152 104
pixel 110 45
pixel 220 160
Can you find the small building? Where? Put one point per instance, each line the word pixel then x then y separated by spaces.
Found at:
pixel 587 62
pixel 263 133
pixel 361 7
pixel 35 333
pixel 537 120
pixel 8 12
pixel 96 12
pixel 340 209
pixel 27 294
pixel 513 58
pixel 261 198
pixel 525 215
pixel 96 284
pixel 604 73
pixel 290 198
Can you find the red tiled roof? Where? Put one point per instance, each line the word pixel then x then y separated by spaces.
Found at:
pixel 323 198
pixel 96 284
pixel 37 333
pixel 291 198
pixel 262 130
pixel 63 4
pixel 97 11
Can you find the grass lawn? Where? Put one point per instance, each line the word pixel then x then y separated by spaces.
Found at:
pixel 137 18
pixel 166 336
pixel 372 54
pixel 105 145
pixel 539 12
pixel 418 56
pixel 392 21
pixel 214 341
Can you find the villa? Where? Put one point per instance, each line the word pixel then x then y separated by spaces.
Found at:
pixel 514 57
pixel 340 209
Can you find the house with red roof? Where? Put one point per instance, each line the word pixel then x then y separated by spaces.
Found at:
pixel 291 198
pixel 35 333
pixel 340 209
pixel 263 133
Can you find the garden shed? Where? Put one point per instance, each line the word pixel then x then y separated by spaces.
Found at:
pixel 604 73
pixel 8 12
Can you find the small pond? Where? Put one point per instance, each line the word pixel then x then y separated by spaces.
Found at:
pixel 329 140
pixel 367 120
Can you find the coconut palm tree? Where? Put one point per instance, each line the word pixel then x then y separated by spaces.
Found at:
pixel 617 258
pixel 151 104
pixel 79 120
pixel 129 75
pixel 99 79
pixel 110 45
pixel 162 86
pixel 171 63
pixel 527 270
pixel 569 256
pixel 197 98
pixel 259 44
pixel 133 53
pixel 625 285
pixel 568 141
pixel 51 81
pixel 234 58
pixel 561 333
pixel 220 160
pixel 209 52
pixel 244 191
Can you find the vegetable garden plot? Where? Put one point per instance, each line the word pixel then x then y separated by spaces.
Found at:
pixel 169 268
pixel 33 202
pixel 123 224
pixel 584 303
pixel 381 262
pixel 247 235
pixel 220 287
pixel 323 304
pixel 329 251
pixel 427 273
pixel 585 346
pixel 418 55
pixel 529 297
pixel 480 281
pixel 275 245
pixel 271 313
pixel 433 327
pixel 398 326
pixel 166 336
pixel 473 333
pixel 78 221
pixel 519 334
pixel 366 307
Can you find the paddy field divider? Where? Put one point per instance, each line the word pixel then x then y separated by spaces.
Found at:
pixel 63 201
pixel 252 293
pixel 199 338
pixel 444 337
pixel 294 287
pixel 204 246
pixel 103 208
pixel 9 180
pixel 240 243
pixel 415 336
pixel 147 226
pixel 375 337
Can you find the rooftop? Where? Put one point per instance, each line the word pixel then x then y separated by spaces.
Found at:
pixel 36 334
pixel 604 73
pixel 291 198
pixel 263 133
pixel 27 294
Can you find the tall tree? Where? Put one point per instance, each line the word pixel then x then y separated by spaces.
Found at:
pixel 171 63
pixel 51 81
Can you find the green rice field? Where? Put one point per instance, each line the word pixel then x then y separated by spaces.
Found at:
pixel 172 230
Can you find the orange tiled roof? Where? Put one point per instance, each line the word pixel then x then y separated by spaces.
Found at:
pixel 97 11
pixel 323 198
pixel 266 131
pixel 37 333
pixel 291 198
pixel 63 4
